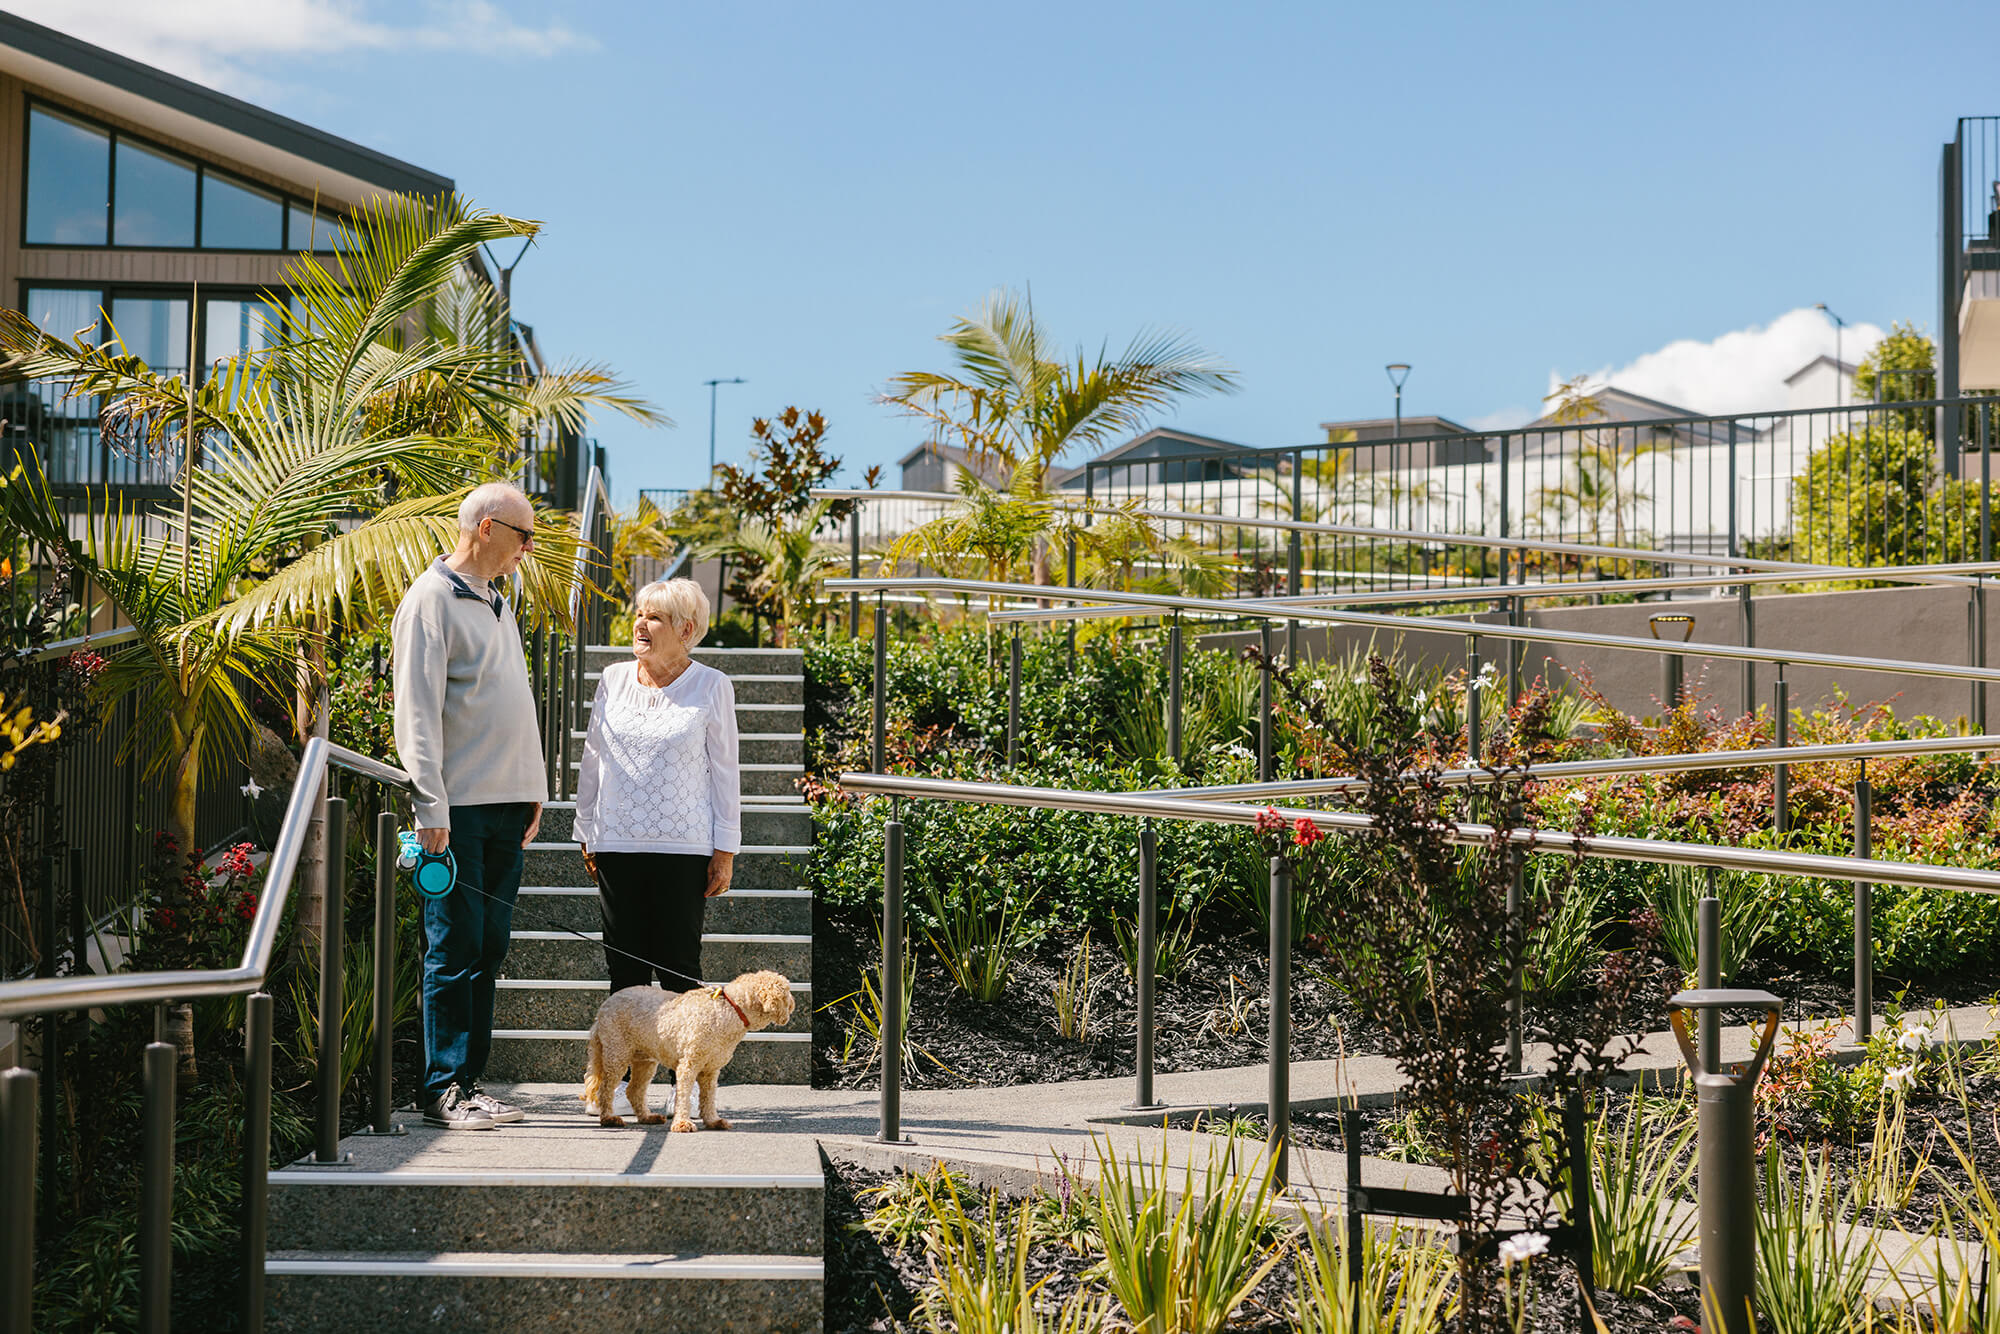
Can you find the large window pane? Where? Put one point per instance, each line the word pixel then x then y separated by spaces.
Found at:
pixel 236 327
pixel 154 329
pixel 61 430
pixel 239 217
pixel 313 230
pixel 155 199
pixel 69 180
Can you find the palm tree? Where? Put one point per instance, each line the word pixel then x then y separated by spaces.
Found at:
pixel 790 561
pixel 1015 402
pixel 348 414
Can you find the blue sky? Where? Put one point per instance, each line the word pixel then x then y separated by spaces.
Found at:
pixel 805 195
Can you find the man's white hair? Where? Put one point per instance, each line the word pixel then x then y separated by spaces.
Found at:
pixel 487 502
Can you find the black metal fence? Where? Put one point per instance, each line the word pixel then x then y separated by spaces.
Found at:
pixel 1858 484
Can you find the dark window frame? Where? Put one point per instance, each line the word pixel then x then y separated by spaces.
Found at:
pixel 287 199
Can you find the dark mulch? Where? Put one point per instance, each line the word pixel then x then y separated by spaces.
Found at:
pixel 1211 1016
pixel 872 1286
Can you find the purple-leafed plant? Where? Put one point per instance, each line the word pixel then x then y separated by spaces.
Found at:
pixel 1420 932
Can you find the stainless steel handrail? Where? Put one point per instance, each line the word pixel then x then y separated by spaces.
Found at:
pixel 90 991
pixel 1423 625
pixel 62 648
pixel 596 501
pixel 1466 592
pixel 1615 767
pixel 1613 847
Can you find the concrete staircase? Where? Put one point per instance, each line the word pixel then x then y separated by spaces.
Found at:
pixel 557 1223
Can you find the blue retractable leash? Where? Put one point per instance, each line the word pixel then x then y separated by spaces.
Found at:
pixel 434 872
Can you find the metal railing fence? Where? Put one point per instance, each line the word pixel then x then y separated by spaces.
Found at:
pixel 1146 807
pixel 21 1089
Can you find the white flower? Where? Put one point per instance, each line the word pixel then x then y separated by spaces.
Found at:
pixel 1523 1246
pixel 1913 1034
pixel 1899 1079
pixel 252 791
pixel 1420 699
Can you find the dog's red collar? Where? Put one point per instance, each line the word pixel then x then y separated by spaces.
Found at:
pixel 734 1006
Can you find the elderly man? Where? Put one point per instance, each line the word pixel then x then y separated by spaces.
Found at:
pixel 466 731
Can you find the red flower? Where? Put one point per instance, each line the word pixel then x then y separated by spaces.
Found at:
pixel 1270 822
pixel 1305 833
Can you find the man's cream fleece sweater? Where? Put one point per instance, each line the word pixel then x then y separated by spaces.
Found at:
pixel 465 713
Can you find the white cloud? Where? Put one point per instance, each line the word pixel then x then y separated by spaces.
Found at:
pixel 1743 371
pixel 224 42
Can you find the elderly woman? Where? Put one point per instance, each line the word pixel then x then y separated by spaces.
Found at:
pixel 657 803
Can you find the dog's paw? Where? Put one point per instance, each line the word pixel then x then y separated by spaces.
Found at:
pixel 653 1119
pixel 683 1126
pixel 719 1123
pixel 611 1120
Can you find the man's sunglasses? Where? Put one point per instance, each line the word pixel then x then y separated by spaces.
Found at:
pixel 527 534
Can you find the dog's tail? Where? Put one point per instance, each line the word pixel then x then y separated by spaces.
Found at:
pixel 595 1092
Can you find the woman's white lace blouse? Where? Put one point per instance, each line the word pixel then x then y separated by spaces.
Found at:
pixel 659 770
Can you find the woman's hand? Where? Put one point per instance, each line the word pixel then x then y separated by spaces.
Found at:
pixel 721 866
pixel 589 862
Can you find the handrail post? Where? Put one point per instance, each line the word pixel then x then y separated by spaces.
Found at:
pixel 1864 911
pixel 892 977
pixel 1279 1113
pixel 1517 871
pixel 881 682
pixel 256 1154
pixel 1265 765
pixel 1294 565
pixel 156 1190
pixel 1975 617
pixel 1746 624
pixel 1472 669
pixel 332 976
pixel 51 1040
pixel 854 571
pixel 17 1201
pixel 385 972
pixel 1014 698
pixel 1516 617
pixel 1781 779
pixel 1174 690
pixel 1142 980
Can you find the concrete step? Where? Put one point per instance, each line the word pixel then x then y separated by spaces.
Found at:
pixel 732 661
pixel 753 780
pixel 766 867
pixel 739 912
pixel 786 689
pixel 339 1292
pixel 767 824
pixel 540 1055
pixel 593 1190
pixel 558 954
pixel 570 1004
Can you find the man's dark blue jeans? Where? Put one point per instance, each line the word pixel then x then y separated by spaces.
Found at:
pixel 465 942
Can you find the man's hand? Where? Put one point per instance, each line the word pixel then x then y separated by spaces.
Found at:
pixel 721 866
pixel 434 841
pixel 534 826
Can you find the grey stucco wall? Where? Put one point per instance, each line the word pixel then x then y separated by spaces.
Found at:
pixel 1925 624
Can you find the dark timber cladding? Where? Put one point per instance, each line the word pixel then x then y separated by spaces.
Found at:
pixel 41 68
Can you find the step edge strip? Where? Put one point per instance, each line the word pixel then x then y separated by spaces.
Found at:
pixel 723 937
pixel 808 1271
pixel 576 984
pixel 579 1034
pixel 306 1176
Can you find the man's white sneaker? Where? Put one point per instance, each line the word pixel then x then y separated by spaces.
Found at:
pixel 503 1113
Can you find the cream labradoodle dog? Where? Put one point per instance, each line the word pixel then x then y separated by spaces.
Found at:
pixel 692 1032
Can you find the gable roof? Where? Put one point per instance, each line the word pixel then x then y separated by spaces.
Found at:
pixel 288 149
pixel 1840 367
pixel 1184 441
pixel 1384 428
pixel 1622 405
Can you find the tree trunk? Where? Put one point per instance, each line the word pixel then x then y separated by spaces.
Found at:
pixel 310 719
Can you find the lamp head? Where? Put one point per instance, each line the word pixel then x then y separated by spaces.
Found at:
pixel 1398 372
pixel 1674 621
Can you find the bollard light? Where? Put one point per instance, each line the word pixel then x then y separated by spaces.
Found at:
pixel 1672 665
pixel 1727 1161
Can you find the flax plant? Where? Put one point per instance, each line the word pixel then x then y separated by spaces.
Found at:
pixel 1405 1287
pixel 1888 1179
pixel 1641 1175
pixel 1957 1294
pixel 980 939
pixel 1812 1261
pixel 981 1272
pixel 1182 1266
pixel 1074 995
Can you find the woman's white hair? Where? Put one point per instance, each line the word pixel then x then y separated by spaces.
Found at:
pixel 681 601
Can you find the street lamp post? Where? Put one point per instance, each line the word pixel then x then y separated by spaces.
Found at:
pixel 1838 326
pixel 710 480
pixel 1398 372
